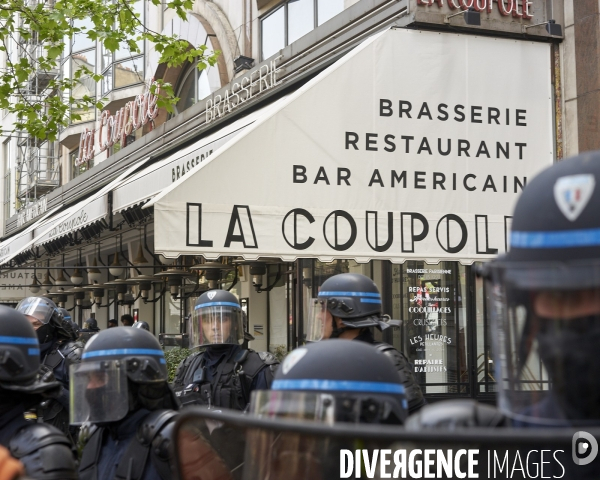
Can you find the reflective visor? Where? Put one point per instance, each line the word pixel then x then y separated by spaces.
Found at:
pixel 98 392
pixel 311 406
pixel 216 323
pixel 37 308
pixel 546 324
pixel 316 320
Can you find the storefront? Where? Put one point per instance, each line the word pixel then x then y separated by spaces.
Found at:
pixel 376 167
pixel 402 161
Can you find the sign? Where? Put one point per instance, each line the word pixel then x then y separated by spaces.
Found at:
pixel 32 211
pixel 509 16
pixel 115 128
pixel 14 285
pixel 415 145
pixel 506 8
pixel 262 79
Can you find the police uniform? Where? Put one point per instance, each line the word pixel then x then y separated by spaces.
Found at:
pixel 356 301
pixel 222 374
pixel 58 351
pixel 44 450
pixel 121 394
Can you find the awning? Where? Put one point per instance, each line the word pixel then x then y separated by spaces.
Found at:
pixel 16 243
pixel 152 180
pixel 415 145
pixel 75 217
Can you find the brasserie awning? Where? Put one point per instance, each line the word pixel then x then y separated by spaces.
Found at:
pixel 415 145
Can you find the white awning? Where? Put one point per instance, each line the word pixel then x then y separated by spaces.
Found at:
pixel 152 180
pixel 75 217
pixel 21 239
pixel 415 145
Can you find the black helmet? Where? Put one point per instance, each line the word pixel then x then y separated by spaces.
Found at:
pixel 352 297
pixel 217 319
pixel 545 293
pixel 142 325
pixel 335 381
pixel 20 355
pixel 47 320
pixel 91 324
pixel 117 364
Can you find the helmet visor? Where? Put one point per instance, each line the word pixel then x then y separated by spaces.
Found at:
pixel 316 320
pixel 216 325
pixel 546 333
pixel 98 392
pixel 310 406
pixel 37 308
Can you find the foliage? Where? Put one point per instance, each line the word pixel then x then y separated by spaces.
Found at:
pixel 42 28
pixel 280 351
pixel 174 357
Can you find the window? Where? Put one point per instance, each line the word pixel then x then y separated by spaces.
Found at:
pixel 294 19
pixel 77 170
pixel 123 67
pixel 86 86
pixel 434 330
pixel 194 85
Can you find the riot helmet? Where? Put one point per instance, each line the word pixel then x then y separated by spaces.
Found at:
pixel 20 356
pixel 91 324
pixel 335 381
pixel 217 320
pixel 351 297
pixel 47 321
pixel 544 299
pixel 143 325
pixel 122 369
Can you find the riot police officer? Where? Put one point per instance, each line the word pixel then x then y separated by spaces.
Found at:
pixel 332 382
pixel 143 325
pixel 120 388
pixel 545 292
pixel 347 306
pixel 58 350
pixel 90 328
pixel 43 449
pixel 222 374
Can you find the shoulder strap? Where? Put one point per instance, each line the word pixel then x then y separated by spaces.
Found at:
pixel 256 361
pixel 134 460
pixel 189 364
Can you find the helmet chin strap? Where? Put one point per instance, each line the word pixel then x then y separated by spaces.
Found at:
pixel 335 331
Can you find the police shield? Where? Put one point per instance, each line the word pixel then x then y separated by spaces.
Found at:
pixel 218 445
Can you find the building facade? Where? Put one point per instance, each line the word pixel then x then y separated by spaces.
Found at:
pixel 389 138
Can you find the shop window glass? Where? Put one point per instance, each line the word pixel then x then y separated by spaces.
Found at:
pixel 430 299
pixel 129 72
pixel 301 18
pixel 328 9
pixel 273 33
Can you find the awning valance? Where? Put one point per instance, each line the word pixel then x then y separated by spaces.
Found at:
pixel 415 145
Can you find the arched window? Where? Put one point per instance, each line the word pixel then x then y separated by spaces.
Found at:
pixel 194 85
